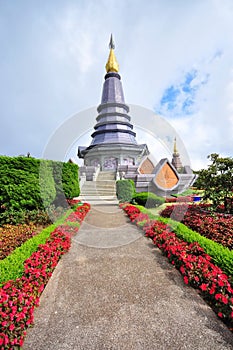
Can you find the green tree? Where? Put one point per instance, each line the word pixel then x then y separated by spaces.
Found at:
pixel 217 182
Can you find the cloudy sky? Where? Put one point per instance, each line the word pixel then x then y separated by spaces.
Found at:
pixel 176 59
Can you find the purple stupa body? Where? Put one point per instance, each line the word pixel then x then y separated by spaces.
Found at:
pixel 113 140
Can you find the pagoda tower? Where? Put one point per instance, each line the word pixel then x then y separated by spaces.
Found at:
pixel 176 162
pixel 113 140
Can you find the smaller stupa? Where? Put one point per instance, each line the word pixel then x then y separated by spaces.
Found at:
pixel 176 162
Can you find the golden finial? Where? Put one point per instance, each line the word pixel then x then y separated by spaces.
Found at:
pixel 175 147
pixel 112 64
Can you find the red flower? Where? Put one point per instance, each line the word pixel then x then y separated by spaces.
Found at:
pixel 203 286
pixel 224 299
pixel 218 296
pixel 19 298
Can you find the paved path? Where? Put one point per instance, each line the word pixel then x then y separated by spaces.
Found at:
pixel 114 290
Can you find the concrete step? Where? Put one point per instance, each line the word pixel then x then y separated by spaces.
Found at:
pixel 99 200
pixel 98 188
pixel 106 175
pixel 111 189
pixel 99 184
pixel 104 187
pixel 98 193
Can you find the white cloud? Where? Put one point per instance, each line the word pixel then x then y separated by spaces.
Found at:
pixel 55 53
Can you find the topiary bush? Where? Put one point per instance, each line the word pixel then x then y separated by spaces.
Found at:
pixel 47 185
pixel 32 185
pixel 125 190
pixel 148 199
pixel 19 184
pixel 66 182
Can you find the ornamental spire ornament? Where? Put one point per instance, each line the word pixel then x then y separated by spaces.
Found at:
pixel 112 64
pixel 176 162
pixel 175 151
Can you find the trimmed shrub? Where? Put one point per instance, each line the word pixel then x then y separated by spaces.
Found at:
pixel 31 185
pixel 47 186
pixel 70 180
pixel 148 199
pixel 125 190
pixel 66 182
pixel 19 185
pixel 12 266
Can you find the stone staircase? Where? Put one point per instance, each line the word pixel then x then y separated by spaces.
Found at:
pixel 100 191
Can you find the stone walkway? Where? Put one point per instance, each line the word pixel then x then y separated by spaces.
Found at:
pixel 114 290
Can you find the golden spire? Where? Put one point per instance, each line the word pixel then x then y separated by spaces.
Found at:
pixel 112 64
pixel 175 147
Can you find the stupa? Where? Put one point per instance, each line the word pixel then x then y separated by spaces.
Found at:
pixel 113 141
pixel 114 147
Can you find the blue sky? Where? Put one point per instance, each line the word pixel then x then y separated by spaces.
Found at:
pixel 176 58
pixel 180 99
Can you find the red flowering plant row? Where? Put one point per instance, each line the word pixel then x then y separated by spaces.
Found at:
pixel 19 298
pixel 193 263
pixel 216 227
pixel 79 214
pixel 13 236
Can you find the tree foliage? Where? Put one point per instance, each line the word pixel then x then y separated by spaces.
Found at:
pixel 217 182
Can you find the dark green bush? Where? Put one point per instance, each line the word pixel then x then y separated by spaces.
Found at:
pixel 46 182
pixel 70 180
pixel 32 185
pixel 125 190
pixel 66 182
pixel 19 184
pixel 148 199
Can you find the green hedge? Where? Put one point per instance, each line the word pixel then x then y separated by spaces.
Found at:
pixel 19 183
pixel 221 256
pixel 66 181
pixel 148 199
pixel 28 184
pixel 125 190
pixel 12 266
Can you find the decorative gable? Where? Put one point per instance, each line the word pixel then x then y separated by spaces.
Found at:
pixel 166 176
pixel 146 166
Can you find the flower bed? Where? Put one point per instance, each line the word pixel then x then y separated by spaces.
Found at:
pixel 18 298
pixel 194 264
pixel 217 227
pixel 79 214
pixel 13 236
